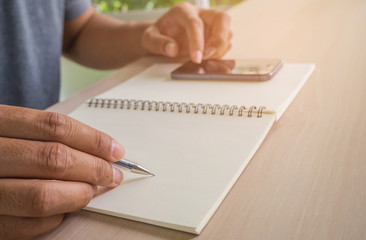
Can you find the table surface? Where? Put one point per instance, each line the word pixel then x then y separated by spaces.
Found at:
pixel 308 178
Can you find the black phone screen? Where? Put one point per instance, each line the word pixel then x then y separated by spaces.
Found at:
pixel 250 69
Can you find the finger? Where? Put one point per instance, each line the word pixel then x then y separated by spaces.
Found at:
pixel 230 35
pixel 24 228
pixel 220 34
pixel 47 160
pixel 32 124
pixel 42 198
pixel 186 15
pixel 155 42
pixel 214 53
pixel 220 54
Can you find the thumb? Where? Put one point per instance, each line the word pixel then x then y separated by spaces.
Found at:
pixel 155 42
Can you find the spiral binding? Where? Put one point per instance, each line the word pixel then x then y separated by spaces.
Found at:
pixel 175 106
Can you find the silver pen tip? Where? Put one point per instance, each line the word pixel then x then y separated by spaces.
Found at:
pixel 141 170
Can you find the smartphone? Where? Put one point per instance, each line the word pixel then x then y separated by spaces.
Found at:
pixel 241 69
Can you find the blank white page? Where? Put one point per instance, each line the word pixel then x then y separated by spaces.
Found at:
pixel 196 158
pixel 155 84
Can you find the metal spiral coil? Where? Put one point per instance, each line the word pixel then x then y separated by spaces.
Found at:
pixel 175 106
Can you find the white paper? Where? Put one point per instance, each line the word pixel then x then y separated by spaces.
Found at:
pixel 196 157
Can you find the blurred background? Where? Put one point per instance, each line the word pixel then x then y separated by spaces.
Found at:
pixel 75 77
pixel 107 6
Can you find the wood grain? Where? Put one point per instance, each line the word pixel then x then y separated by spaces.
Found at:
pixel 307 180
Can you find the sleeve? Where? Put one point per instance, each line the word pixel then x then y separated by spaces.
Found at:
pixel 75 8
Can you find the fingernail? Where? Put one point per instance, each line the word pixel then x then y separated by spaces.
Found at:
pixel 170 49
pixel 118 151
pixel 117 177
pixel 209 52
pixel 197 56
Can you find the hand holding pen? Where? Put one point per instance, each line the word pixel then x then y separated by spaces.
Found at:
pixel 50 146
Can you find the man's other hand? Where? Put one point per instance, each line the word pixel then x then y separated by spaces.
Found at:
pixel 186 30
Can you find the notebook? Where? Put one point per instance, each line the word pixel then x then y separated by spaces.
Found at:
pixel 195 136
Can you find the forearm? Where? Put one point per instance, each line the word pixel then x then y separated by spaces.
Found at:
pixel 107 43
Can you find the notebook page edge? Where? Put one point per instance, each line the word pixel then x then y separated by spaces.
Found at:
pixel 236 177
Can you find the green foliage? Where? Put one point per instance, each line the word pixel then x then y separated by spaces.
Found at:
pixel 220 3
pixel 126 5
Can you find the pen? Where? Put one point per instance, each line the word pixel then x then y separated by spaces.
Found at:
pixel 133 167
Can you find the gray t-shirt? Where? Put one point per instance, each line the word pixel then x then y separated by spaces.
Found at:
pixel 30 48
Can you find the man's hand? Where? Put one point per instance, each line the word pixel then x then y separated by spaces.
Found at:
pixel 188 30
pixel 102 42
pixel 37 148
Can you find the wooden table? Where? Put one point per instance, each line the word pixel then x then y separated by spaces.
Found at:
pixel 308 179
